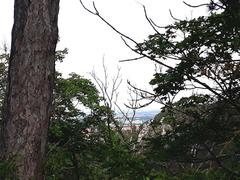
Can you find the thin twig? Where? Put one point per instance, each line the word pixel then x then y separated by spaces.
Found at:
pixel 133 59
pixel 149 21
pixel 195 6
pixel 96 13
pixel 170 12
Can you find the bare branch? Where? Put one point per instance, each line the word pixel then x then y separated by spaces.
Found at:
pixel 133 59
pixel 160 27
pixel 195 6
pixel 145 55
pixel 149 21
pixel 96 13
pixel 170 12
pixel 140 105
pixel 206 4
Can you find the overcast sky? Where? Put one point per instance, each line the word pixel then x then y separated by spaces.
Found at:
pixel 89 39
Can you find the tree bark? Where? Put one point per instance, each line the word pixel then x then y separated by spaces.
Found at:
pixel 31 79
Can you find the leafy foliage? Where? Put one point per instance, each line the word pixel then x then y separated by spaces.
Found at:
pixel 198 131
pixel 81 144
pixel 206 47
pixel 7 170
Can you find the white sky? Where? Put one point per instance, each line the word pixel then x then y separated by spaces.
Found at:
pixel 89 39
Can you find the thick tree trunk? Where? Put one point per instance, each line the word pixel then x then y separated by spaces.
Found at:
pixel 31 80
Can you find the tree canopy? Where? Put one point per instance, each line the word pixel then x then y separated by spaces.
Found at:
pixel 199 87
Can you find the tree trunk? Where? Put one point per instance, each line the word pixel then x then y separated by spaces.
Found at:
pixel 31 80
